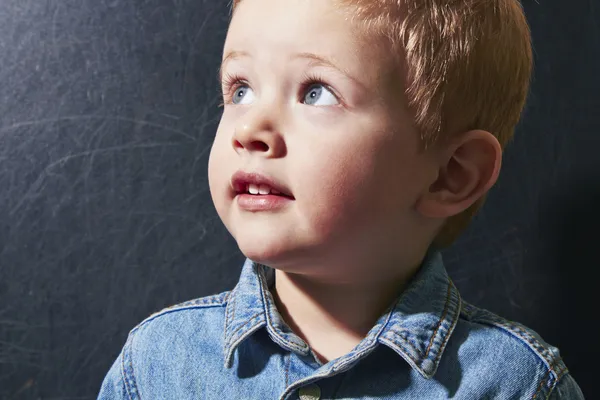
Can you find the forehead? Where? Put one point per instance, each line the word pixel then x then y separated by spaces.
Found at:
pixel 277 28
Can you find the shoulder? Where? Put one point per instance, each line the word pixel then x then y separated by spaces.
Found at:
pixel 171 333
pixel 182 318
pixel 514 351
pixel 526 339
pixel 182 310
pixel 165 343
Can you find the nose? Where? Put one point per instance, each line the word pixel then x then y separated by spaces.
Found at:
pixel 258 134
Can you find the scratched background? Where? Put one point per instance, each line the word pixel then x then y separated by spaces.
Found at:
pixel 107 111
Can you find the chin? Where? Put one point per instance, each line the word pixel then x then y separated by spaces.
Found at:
pixel 262 251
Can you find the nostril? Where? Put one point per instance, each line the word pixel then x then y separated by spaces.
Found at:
pixel 258 145
pixel 255 145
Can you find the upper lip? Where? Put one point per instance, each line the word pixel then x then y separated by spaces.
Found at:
pixel 240 181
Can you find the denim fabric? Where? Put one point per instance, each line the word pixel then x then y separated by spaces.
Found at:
pixel 430 344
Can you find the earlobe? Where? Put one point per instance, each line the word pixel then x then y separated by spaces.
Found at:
pixel 468 169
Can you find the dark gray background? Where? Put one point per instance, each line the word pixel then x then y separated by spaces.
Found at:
pixel 107 112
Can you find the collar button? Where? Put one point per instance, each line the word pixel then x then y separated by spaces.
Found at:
pixel 310 392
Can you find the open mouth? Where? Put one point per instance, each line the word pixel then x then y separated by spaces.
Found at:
pixel 259 190
pixel 258 185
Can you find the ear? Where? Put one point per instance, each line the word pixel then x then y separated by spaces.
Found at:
pixel 469 167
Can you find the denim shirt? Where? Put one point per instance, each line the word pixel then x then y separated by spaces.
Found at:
pixel 429 344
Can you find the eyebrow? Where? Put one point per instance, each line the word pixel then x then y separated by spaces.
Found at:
pixel 230 56
pixel 315 60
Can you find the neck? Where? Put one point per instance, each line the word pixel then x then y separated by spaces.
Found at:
pixel 331 317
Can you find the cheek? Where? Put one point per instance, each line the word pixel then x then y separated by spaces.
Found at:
pixel 213 168
pixel 358 185
pixel 337 187
pixel 218 170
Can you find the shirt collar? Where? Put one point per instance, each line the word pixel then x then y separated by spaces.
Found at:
pixel 417 326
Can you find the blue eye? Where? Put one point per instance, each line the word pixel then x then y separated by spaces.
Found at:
pixel 318 95
pixel 242 95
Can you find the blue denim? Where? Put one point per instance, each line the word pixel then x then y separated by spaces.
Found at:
pixel 429 344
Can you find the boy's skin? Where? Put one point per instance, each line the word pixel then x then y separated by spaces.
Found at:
pixel 367 201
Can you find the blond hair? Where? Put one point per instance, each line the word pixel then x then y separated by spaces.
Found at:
pixel 467 66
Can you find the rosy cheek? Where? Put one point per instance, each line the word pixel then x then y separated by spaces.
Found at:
pixel 335 197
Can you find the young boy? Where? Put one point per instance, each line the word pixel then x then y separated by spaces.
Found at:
pixel 358 137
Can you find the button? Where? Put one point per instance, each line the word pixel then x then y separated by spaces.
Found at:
pixel 310 392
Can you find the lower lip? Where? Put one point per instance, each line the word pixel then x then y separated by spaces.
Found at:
pixel 260 202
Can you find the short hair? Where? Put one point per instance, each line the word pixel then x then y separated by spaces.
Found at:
pixel 467 65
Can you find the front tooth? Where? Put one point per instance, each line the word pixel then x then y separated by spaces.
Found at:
pixel 264 189
pixel 252 188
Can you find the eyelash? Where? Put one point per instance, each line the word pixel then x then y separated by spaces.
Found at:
pixel 231 82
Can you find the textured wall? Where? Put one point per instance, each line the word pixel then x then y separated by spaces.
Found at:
pixel 107 112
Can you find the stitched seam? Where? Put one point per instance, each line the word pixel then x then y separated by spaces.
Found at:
pixel 557 381
pixel 282 341
pixel 387 321
pixel 384 325
pixel 539 388
pixel 547 378
pixel 488 318
pixel 125 380
pixel 407 354
pixel 244 326
pixel 416 363
pixel 405 343
pixel 531 340
pixel 130 389
pixel 542 351
pixel 232 316
pixel 215 299
pixel 542 381
pixel 564 372
pixel 267 312
pixel 447 305
pixel 287 370
pixel 351 359
pixel 233 345
pixel 230 305
pixel 172 310
pixel 228 311
pixel 209 301
pixel 454 322
pixel 465 309
pixel 365 350
pixel 227 321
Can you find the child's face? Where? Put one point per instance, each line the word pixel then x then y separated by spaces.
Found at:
pixel 336 137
